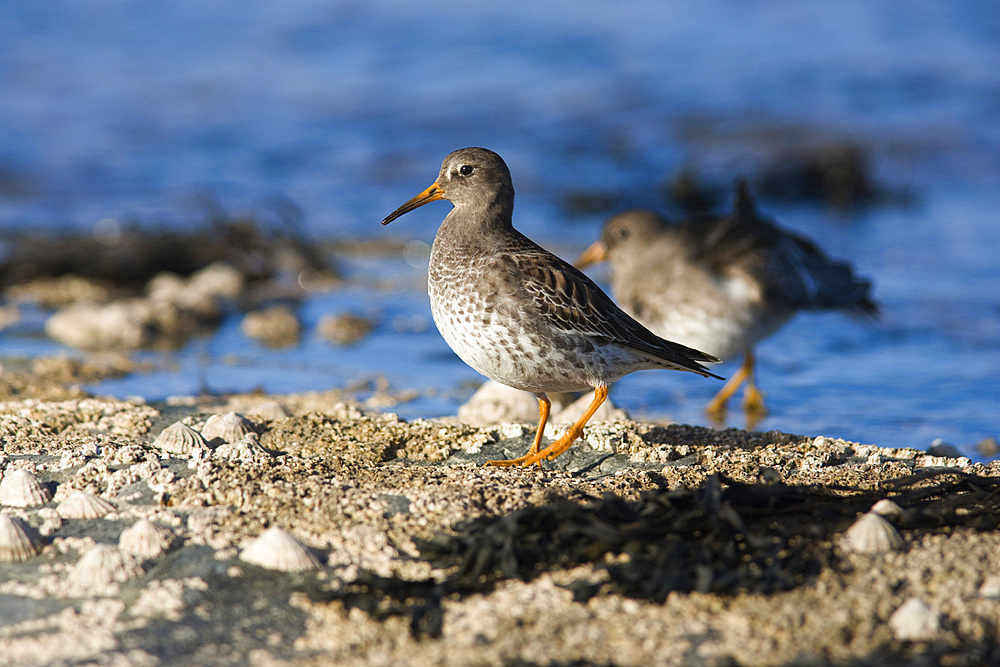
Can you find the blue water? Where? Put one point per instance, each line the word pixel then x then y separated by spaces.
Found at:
pixel 130 111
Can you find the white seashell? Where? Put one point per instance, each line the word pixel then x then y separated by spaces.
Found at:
pixel 83 505
pixel 18 540
pixel 990 588
pixel 179 438
pixel 872 534
pixel 229 427
pixel 102 565
pixel 915 621
pixel 888 508
pixel 276 549
pixel 22 488
pixel 247 450
pixel 146 539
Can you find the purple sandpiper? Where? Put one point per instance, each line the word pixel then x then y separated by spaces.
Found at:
pixel 722 283
pixel 520 315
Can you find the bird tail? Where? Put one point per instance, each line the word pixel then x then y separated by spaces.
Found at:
pixel 684 358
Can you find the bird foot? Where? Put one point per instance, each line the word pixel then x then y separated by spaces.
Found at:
pixel 716 411
pixel 753 406
pixel 526 460
pixel 549 453
pixel 753 403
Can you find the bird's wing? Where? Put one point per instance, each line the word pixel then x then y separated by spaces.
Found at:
pixel 572 302
pixel 790 269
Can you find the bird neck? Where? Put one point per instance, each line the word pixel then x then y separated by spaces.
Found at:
pixel 472 223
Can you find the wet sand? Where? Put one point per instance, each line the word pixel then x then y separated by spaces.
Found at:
pixel 645 544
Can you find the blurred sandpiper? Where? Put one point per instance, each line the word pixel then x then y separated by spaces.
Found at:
pixel 722 283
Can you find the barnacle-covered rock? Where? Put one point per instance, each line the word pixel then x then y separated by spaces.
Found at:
pixel 22 488
pixel 247 450
pixel 276 549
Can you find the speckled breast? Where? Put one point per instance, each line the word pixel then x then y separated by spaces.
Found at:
pixel 492 333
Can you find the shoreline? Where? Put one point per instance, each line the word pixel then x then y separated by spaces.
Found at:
pixel 424 556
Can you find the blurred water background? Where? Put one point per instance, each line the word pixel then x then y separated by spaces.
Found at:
pixel 117 112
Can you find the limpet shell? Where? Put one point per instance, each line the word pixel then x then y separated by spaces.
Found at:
pixel 18 540
pixel 872 534
pixel 22 488
pixel 915 620
pixel 229 427
pixel 887 508
pixel 276 549
pixel 83 505
pixel 146 539
pixel 179 438
pixel 247 450
pixel 104 564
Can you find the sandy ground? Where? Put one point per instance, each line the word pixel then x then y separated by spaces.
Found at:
pixel 644 545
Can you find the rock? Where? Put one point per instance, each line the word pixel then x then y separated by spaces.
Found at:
pixel 941 448
pixel 345 328
pixel 608 412
pixel 127 324
pixel 495 403
pixel 275 327
pixel 988 447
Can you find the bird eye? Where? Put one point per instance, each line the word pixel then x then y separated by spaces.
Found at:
pixel 622 232
pixel 465 170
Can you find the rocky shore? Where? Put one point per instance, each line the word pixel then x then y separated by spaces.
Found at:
pixel 304 530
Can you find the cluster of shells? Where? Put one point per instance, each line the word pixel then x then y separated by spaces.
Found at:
pixel 19 540
pixel 230 435
pixel 23 495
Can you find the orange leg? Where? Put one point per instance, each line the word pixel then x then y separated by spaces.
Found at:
pixel 543 417
pixel 563 443
pixel 716 408
pixel 753 397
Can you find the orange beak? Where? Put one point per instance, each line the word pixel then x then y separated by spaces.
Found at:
pixel 432 193
pixel 597 252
